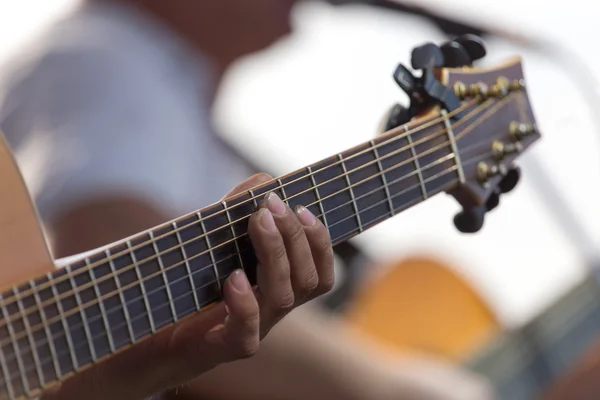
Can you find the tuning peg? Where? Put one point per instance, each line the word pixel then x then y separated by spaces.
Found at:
pixel 397 115
pixel 474 46
pixel 455 55
pixel 405 79
pixel 427 56
pixel 493 201
pixel 511 180
pixel 470 221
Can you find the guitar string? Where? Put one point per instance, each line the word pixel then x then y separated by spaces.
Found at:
pixel 312 173
pixel 372 223
pixel 84 287
pixel 367 194
pixel 51 301
pixel 210 265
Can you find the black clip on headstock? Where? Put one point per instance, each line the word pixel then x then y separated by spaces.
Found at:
pixel 426 91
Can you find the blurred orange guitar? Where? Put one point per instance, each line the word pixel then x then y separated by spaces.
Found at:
pixel 421 305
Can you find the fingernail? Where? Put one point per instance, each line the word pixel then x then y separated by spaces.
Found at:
pixel 275 204
pixel 305 216
pixel 266 220
pixel 239 281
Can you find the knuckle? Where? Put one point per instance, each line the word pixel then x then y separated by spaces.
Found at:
pixel 327 277
pixel 285 303
pixel 325 247
pixel 247 347
pixel 326 284
pixel 297 234
pixel 278 254
pixel 252 319
pixel 311 283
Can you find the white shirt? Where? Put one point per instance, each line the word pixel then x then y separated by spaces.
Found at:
pixel 111 102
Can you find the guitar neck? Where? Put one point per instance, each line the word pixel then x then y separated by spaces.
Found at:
pixel 61 323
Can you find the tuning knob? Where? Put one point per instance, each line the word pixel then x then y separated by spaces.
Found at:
pixel 493 201
pixel 397 115
pixel 511 180
pixel 427 56
pixel 474 46
pixel 455 55
pixel 470 221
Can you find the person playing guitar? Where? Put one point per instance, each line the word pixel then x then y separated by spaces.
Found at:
pixel 109 121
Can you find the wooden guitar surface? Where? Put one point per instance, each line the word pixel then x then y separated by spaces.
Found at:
pixel 419 304
pixel 24 253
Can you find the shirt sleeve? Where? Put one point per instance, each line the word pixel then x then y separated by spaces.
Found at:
pixel 88 124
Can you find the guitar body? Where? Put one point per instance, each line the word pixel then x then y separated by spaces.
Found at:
pixel 24 252
pixel 421 305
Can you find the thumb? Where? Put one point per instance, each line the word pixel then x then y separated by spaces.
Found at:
pixel 253 181
pixel 239 336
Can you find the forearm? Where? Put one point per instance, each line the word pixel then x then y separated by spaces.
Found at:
pixel 289 364
pixel 312 356
pixel 307 356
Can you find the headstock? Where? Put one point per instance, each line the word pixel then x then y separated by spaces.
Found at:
pixel 486 113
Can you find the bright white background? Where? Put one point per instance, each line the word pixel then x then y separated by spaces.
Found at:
pixel 325 88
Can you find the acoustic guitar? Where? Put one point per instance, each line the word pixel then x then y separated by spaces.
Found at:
pixel 465 128
pixel 439 313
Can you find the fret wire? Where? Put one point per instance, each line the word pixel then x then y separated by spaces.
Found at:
pixel 83 317
pixel 63 319
pixel 461 173
pixel 383 215
pixel 111 345
pixel 6 375
pixel 11 332
pixel 417 165
pixel 164 275
pixel 328 196
pixel 143 287
pixel 121 296
pixel 230 223
pixel 377 220
pixel 30 339
pixel 350 186
pixel 53 352
pixel 423 126
pixel 282 188
pixel 254 200
pixel 187 265
pixel 419 128
pixel 210 252
pixel 383 178
pixel 318 196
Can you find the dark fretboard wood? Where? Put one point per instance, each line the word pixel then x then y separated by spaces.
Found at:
pixel 133 289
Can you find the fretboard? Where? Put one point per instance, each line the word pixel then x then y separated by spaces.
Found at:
pixel 58 324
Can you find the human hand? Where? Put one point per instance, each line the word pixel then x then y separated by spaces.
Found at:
pixel 296 265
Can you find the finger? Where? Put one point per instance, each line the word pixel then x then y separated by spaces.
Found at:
pixel 276 296
pixel 321 250
pixel 303 274
pixel 239 336
pixel 253 181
